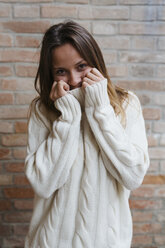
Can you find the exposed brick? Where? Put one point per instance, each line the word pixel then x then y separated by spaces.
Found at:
pixel 160 191
pixel 110 57
pixel 19 56
pixel 118 70
pixel 159 99
pixel 23 204
pixel 21 229
pixel 29 1
pixel 5 153
pixel 159 127
pixel 145 204
pixel 144 42
pixel 6 179
pixel 105 28
pixel 5 70
pixel 154 167
pixel 14 140
pixel 5 40
pixel 142 71
pixel 26 11
pixel 5 10
pixel 17 217
pixel 157 153
pixel 6 127
pixel 5 230
pixel 14 167
pixel 18 193
pixel 160 239
pixel 151 85
pixel 6 98
pixel 27 41
pixel 141 240
pixel 162 140
pixel 140 28
pixel 21 127
pixel 26 70
pixel 161 43
pixel 104 2
pixel 25 98
pixel 143 191
pixel 154 179
pixel 152 140
pixel 147 228
pixel 143 13
pixel 113 42
pixel 5 205
pixel 142 57
pixel 14 241
pixel 20 180
pixel 152 113
pixel 142 216
pixel 26 27
pixel 76 1
pixel 17 84
pixel 13 113
pixel 51 11
pixel 19 153
pixel 161 216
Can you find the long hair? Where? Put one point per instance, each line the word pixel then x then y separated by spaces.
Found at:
pixel 71 32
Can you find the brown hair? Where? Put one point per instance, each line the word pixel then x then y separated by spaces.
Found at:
pixel 71 32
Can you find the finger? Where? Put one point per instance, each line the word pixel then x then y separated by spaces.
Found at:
pixel 97 73
pixel 89 81
pixel 93 77
pixel 84 85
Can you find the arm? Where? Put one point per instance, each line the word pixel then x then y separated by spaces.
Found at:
pixel 124 151
pixel 50 154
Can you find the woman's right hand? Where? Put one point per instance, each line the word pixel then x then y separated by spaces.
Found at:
pixel 58 90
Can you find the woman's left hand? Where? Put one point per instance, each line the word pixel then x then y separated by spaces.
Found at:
pixel 92 77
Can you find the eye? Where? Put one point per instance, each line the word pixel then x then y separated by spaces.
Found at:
pixel 60 72
pixel 82 66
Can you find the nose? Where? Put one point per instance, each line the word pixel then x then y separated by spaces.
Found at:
pixel 75 79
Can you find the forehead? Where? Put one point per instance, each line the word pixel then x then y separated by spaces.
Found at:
pixel 65 54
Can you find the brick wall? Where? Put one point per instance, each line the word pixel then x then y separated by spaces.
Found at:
pixel 131 34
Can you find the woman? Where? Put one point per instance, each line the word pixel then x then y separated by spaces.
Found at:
pixel 87 147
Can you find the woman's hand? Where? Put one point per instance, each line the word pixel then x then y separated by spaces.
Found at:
pixel 92 77
pixel 58 90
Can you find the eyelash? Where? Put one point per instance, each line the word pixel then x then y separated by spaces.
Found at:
pixel 80 67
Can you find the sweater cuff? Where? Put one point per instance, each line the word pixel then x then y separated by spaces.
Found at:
pixel 96 94
pixel 69 107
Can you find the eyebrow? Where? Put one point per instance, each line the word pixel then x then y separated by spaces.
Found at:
pixel 75 64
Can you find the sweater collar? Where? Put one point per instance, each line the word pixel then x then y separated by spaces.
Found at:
pixel 79 94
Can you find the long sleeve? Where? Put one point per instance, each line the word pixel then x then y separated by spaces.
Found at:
pixel 52 149
pixel 124 150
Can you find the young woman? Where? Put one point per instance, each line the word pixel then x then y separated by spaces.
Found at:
pixel 87 147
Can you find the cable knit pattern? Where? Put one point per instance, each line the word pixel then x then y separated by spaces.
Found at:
pixel 82 166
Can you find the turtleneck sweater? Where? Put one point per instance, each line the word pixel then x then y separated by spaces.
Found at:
pixel 82 165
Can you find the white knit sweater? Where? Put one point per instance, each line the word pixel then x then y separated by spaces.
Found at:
pixel 82 166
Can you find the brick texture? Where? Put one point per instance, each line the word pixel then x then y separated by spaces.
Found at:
pixel 131 34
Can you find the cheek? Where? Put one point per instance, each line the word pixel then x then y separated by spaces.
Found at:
pixel 86 71
pixel 58 78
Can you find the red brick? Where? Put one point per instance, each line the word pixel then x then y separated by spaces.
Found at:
pixel 160 239
pixel 6 179
pixel 154 179
pixel 141 240
pixel 27 41
pixel 25 98
pixel 17 217
pixel 151 113
pixel 5 10
pixel 14 241
pixel 18 193
pixel 23 204
pixel 21 229
pixel 157 152
pixel 6 127
pixel 14 140
pixel 152 140
pixel 20 180
pixel 26 27
pixel 147 228
pixel 104 28
pixel 5 230
pixel 14 167
pixel 161 216
pixel 142 216
pixel 6 98
pixel 142 71
pixel 111 42
pixel 17 84
pixel 32 11
pixel 145 204
pixel 118 70
pixel 5 70
pixel 144 42
pixel 14 55
pixel 5 153
pixel 19 153
pixel 21 127
pixel 5 205
pixel 26 70
pixel 5 40
pixel 142 57
pixel 51 11
pixel 141 29
pixel 110 57
pixel 143 191
pixel 14 113
pixel 154 167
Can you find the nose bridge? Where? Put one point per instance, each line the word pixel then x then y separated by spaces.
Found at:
pixel 74 77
